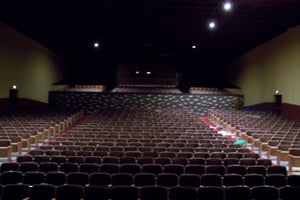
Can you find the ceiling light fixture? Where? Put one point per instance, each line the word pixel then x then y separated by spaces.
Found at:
pixel 227 6
pixel 96 44
pixel 212 24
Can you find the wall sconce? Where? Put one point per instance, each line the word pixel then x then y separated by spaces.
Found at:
pixel 13 97
pixel 277 102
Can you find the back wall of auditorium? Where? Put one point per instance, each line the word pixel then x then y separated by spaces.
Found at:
pixel 274 65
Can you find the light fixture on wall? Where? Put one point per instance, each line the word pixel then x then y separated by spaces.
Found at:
pixel 13 97
pixel 277 102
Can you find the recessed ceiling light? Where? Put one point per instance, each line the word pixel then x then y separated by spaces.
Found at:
pixel 194 46
pixel 96 44
pixel 227 6
pixel 148 72
pixel 212 24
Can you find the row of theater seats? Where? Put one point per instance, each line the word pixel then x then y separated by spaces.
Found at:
pixel 208 140
pixel 164 89
pixel 145 147
pixel 140 150
pixel 273 134
pixel 59 159
pixel 76 192
pixel 134 168
pixel 146 178
pixel 145 152
pixel 201 90
pixel 201 160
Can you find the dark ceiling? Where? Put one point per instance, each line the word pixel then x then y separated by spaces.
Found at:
pixel 158 27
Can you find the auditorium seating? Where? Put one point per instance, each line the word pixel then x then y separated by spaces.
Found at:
pixel 204 90
pixel 149 88
pixel 264 131
pixel 22 130
pixel 139 152
pixel 234 192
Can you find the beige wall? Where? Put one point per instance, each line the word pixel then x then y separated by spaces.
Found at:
pixel 272 66
pixel 27 64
